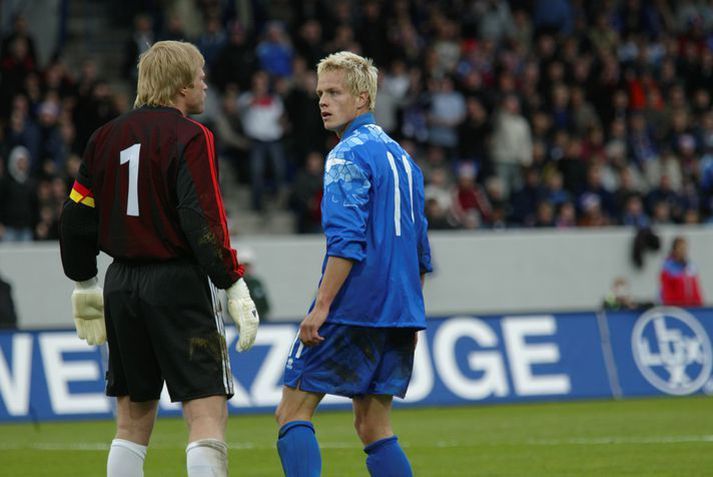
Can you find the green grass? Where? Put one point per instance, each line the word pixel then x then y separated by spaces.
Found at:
pixel 651 437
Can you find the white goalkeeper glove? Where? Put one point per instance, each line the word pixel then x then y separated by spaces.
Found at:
pixel 243 312
pixel 88 311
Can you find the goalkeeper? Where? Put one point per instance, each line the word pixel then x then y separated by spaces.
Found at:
pixel 147 194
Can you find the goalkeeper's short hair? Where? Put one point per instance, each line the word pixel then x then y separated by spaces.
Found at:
pixel 164 69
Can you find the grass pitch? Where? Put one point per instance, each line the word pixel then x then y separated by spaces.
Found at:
pixel 651 437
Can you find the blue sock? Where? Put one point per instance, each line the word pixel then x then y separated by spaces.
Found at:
pixel 299 451
pixel 385 458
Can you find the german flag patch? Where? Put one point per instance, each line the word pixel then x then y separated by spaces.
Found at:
pixel 82 195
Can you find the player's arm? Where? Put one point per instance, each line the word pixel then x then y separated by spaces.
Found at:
pixel 424 247
pixel 201 212
pixel 78 249
pixel 345 212
pixel 202 218
pixel 335 274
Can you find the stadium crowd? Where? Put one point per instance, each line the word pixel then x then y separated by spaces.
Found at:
pixel 547 113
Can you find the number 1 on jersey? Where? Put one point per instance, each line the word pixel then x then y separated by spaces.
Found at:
pixel 131 155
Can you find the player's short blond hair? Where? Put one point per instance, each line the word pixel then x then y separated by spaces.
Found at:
pixel 164 69
pixel 360 73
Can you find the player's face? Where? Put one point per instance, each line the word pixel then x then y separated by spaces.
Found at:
pixel 195 99
pixel 336 103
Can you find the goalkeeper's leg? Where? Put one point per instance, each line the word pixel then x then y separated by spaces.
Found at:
pixel 134 423
pixel 207 453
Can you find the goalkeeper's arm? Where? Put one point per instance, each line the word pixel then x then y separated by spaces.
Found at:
pixel 78 248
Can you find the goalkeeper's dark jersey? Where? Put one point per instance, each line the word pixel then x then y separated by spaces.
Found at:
pixel 147 191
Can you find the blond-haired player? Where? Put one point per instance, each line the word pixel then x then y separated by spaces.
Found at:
pixel 359 336
pixel 147 195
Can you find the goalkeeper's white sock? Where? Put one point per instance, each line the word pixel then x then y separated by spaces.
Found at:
pixel 207 458
pixel 126 459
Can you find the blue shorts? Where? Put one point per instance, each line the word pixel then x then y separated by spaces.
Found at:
pixel 353 361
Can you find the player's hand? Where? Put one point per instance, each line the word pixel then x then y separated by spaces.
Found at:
pixel 309 328
pixel 88 311
pixel 243 312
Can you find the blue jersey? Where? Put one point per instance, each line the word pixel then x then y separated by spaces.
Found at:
pixel 373 214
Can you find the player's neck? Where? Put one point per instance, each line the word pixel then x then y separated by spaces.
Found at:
pixel 182 108
pixel 340 132
pixel 180 105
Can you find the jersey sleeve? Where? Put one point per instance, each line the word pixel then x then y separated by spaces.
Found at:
pixel 345 212
pixel 79 225
pixel 424 247
pixel 201 211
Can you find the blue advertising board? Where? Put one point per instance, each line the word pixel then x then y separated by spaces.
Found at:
pixel 49 374
pixel 664 350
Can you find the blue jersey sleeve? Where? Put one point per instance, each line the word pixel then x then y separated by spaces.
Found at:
pixel 424 247
pixel 345 207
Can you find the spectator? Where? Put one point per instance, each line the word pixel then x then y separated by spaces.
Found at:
pixel 211 41
pixel 17 198
pixel 307 195
pixel 141 40
pixel 173 29
pixel 15 66
pixel 496 22
pixel 634 214
pixel 544 215
pixel 232 145
pixel 474 137
pixel 236 61
pixel 258 291
pixel 679 279
pixel 619 296
pixel 525 200
pixel 19 30
pixel 549 85
pixel 275 51
pixel 262 114
pixel 566 216
pixel 471 206
pixel 306 131
pixel 446 112
pixel 8 316
pixel 51 146
pixel 372 34
pixel 309 43
pixel 512 143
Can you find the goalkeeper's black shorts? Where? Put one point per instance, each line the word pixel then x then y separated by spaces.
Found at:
pixel 163 323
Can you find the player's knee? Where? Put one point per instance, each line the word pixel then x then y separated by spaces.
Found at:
pixel 279 416
pixel 362 428
pixel 135 432
pixel 370 431
pixel 282 414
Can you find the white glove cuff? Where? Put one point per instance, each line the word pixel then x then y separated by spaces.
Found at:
pixel 86 284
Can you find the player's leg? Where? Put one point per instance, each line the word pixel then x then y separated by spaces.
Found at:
pixel 132 373
pixel 372 420
pixel 297 443
pixel 189 342
pixel 372 411
pixel 134 423
pixel 207 453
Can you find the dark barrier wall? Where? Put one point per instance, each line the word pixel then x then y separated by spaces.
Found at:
pixel 47 375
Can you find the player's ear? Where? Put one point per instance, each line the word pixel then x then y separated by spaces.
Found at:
pixel 363 100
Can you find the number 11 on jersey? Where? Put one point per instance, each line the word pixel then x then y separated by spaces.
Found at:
pixel 131 155
pixel 397 195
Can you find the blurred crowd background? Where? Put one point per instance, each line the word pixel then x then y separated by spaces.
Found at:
pixel 545 113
